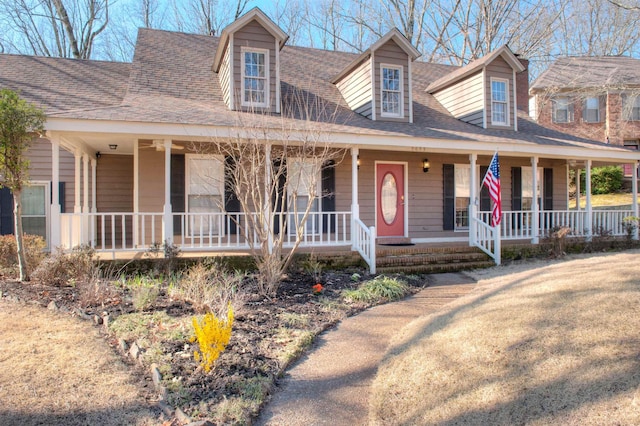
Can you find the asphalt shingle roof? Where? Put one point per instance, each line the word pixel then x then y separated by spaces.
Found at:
pixel 590 72
pixel 171 81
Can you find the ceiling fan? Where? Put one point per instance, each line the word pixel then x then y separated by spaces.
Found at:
pixel 158 145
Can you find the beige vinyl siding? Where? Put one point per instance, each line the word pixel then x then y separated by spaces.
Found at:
pixel 499 68
pixel 151 190
pixel 464 99
pixel 114 183
pixel 392 54
pixel 559 178
pixel 356 88
pixel 223 76
pixel 253 35
pixel 39 155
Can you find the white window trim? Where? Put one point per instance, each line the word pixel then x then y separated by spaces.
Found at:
pixel 506 89
pixel 554 110
pixel 47 207
pixel 188 232
pixel 267 86
pixel 586 110
pixel 400 68
pixel 314 215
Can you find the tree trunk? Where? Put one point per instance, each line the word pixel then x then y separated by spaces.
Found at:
pixel 17 217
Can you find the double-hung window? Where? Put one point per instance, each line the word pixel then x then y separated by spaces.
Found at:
pixel 255 77
pixel 591 110
pixel 499 102
pixel 562 110
pixel 35 200
pixel 631 107
pixel 205 192
pixel 391 90
pixel 462 182
pixel 303 187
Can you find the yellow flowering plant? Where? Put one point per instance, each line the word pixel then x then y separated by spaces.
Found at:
pixel 213 335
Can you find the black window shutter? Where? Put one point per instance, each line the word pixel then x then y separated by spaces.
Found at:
pixel 516 188
pixel 6 211
pixel 485 200
pixel 231 202
pixel 177 189
pixel 280 195
pixel 548 189
pixel 61 196
pixel 328 195
pixel 449 185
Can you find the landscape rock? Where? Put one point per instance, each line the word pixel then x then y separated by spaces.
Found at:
pixel 134 351
pixel 97 319
pixel 182 417
pixel 52 305
pixel 201 423
pixel 155 375
pixel 123 345
pixel 165 408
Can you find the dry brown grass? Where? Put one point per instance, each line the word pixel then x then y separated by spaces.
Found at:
pixel 535 343
pixel 56 370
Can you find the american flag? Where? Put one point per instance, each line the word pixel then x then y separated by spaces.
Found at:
pixel 492 182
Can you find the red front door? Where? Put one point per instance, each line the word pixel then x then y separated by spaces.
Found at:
pixel 390 200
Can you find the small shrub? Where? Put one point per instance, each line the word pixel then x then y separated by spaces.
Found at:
pixel 144 291
pixel 63 268
pixel 34 246
pixel 208 288
pixel 212 334
pixel 630 224
pixel 170 253
pixel 381 288
pixel 313 267
pixel 604 180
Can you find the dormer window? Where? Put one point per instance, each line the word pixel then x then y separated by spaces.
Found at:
pixel 255 77
pixel 392 96
pixel 499 102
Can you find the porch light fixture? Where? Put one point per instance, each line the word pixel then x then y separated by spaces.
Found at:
pixel 113 146
pixel 98 154
pixel 358 162
pixel 426 165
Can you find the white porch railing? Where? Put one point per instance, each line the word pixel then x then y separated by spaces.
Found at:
pixel 365 243
pixel 487 238
pixel 111 232
pixel 517 225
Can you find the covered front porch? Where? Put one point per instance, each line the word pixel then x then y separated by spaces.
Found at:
pixel 351 222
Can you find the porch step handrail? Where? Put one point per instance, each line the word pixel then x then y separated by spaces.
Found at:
pixel 365 243
pixel 487 238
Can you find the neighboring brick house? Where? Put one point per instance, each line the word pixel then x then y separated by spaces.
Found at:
pixel 419 137
pixel 596 98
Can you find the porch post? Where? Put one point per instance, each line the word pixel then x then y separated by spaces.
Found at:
pixel 167 229
pixel 94 208
pixel 634 189
pixel 578 189
pixel 55 226
pixel 535 206
pixel 473 199
pixel 136 208
pixel 76 203
pixel 85 198
pixel 267 197
pixel 355 206
pixel 589 223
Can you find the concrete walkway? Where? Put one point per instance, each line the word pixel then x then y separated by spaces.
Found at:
pixel 330 386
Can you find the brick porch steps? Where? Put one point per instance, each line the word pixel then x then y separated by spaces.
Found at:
pixel 430 260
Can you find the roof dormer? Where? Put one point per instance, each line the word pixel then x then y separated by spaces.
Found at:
pixel 483 92
pixel 248 63
pixel 377 84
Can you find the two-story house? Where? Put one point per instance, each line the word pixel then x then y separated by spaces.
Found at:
pixel 591 97
pixel 119 171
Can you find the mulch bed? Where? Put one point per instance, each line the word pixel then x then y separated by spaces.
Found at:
pixel 253 350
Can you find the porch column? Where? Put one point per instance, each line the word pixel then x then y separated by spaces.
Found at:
pixel 578 189
pixel 85 199
pixel 473 198
pixel 76 203
pixel 535 206
pixel 55 226
pixel 136 208
pixel 355 206
pixel 589 223
pixel 94 184
pixel 634 190
pixel 269 228
pixel 167 229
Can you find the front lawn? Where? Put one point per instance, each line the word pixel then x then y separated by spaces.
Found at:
pixel 534 344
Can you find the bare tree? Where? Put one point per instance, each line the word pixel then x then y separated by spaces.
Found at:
pixel 55 27
pixel 273 166
pixel 206 16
